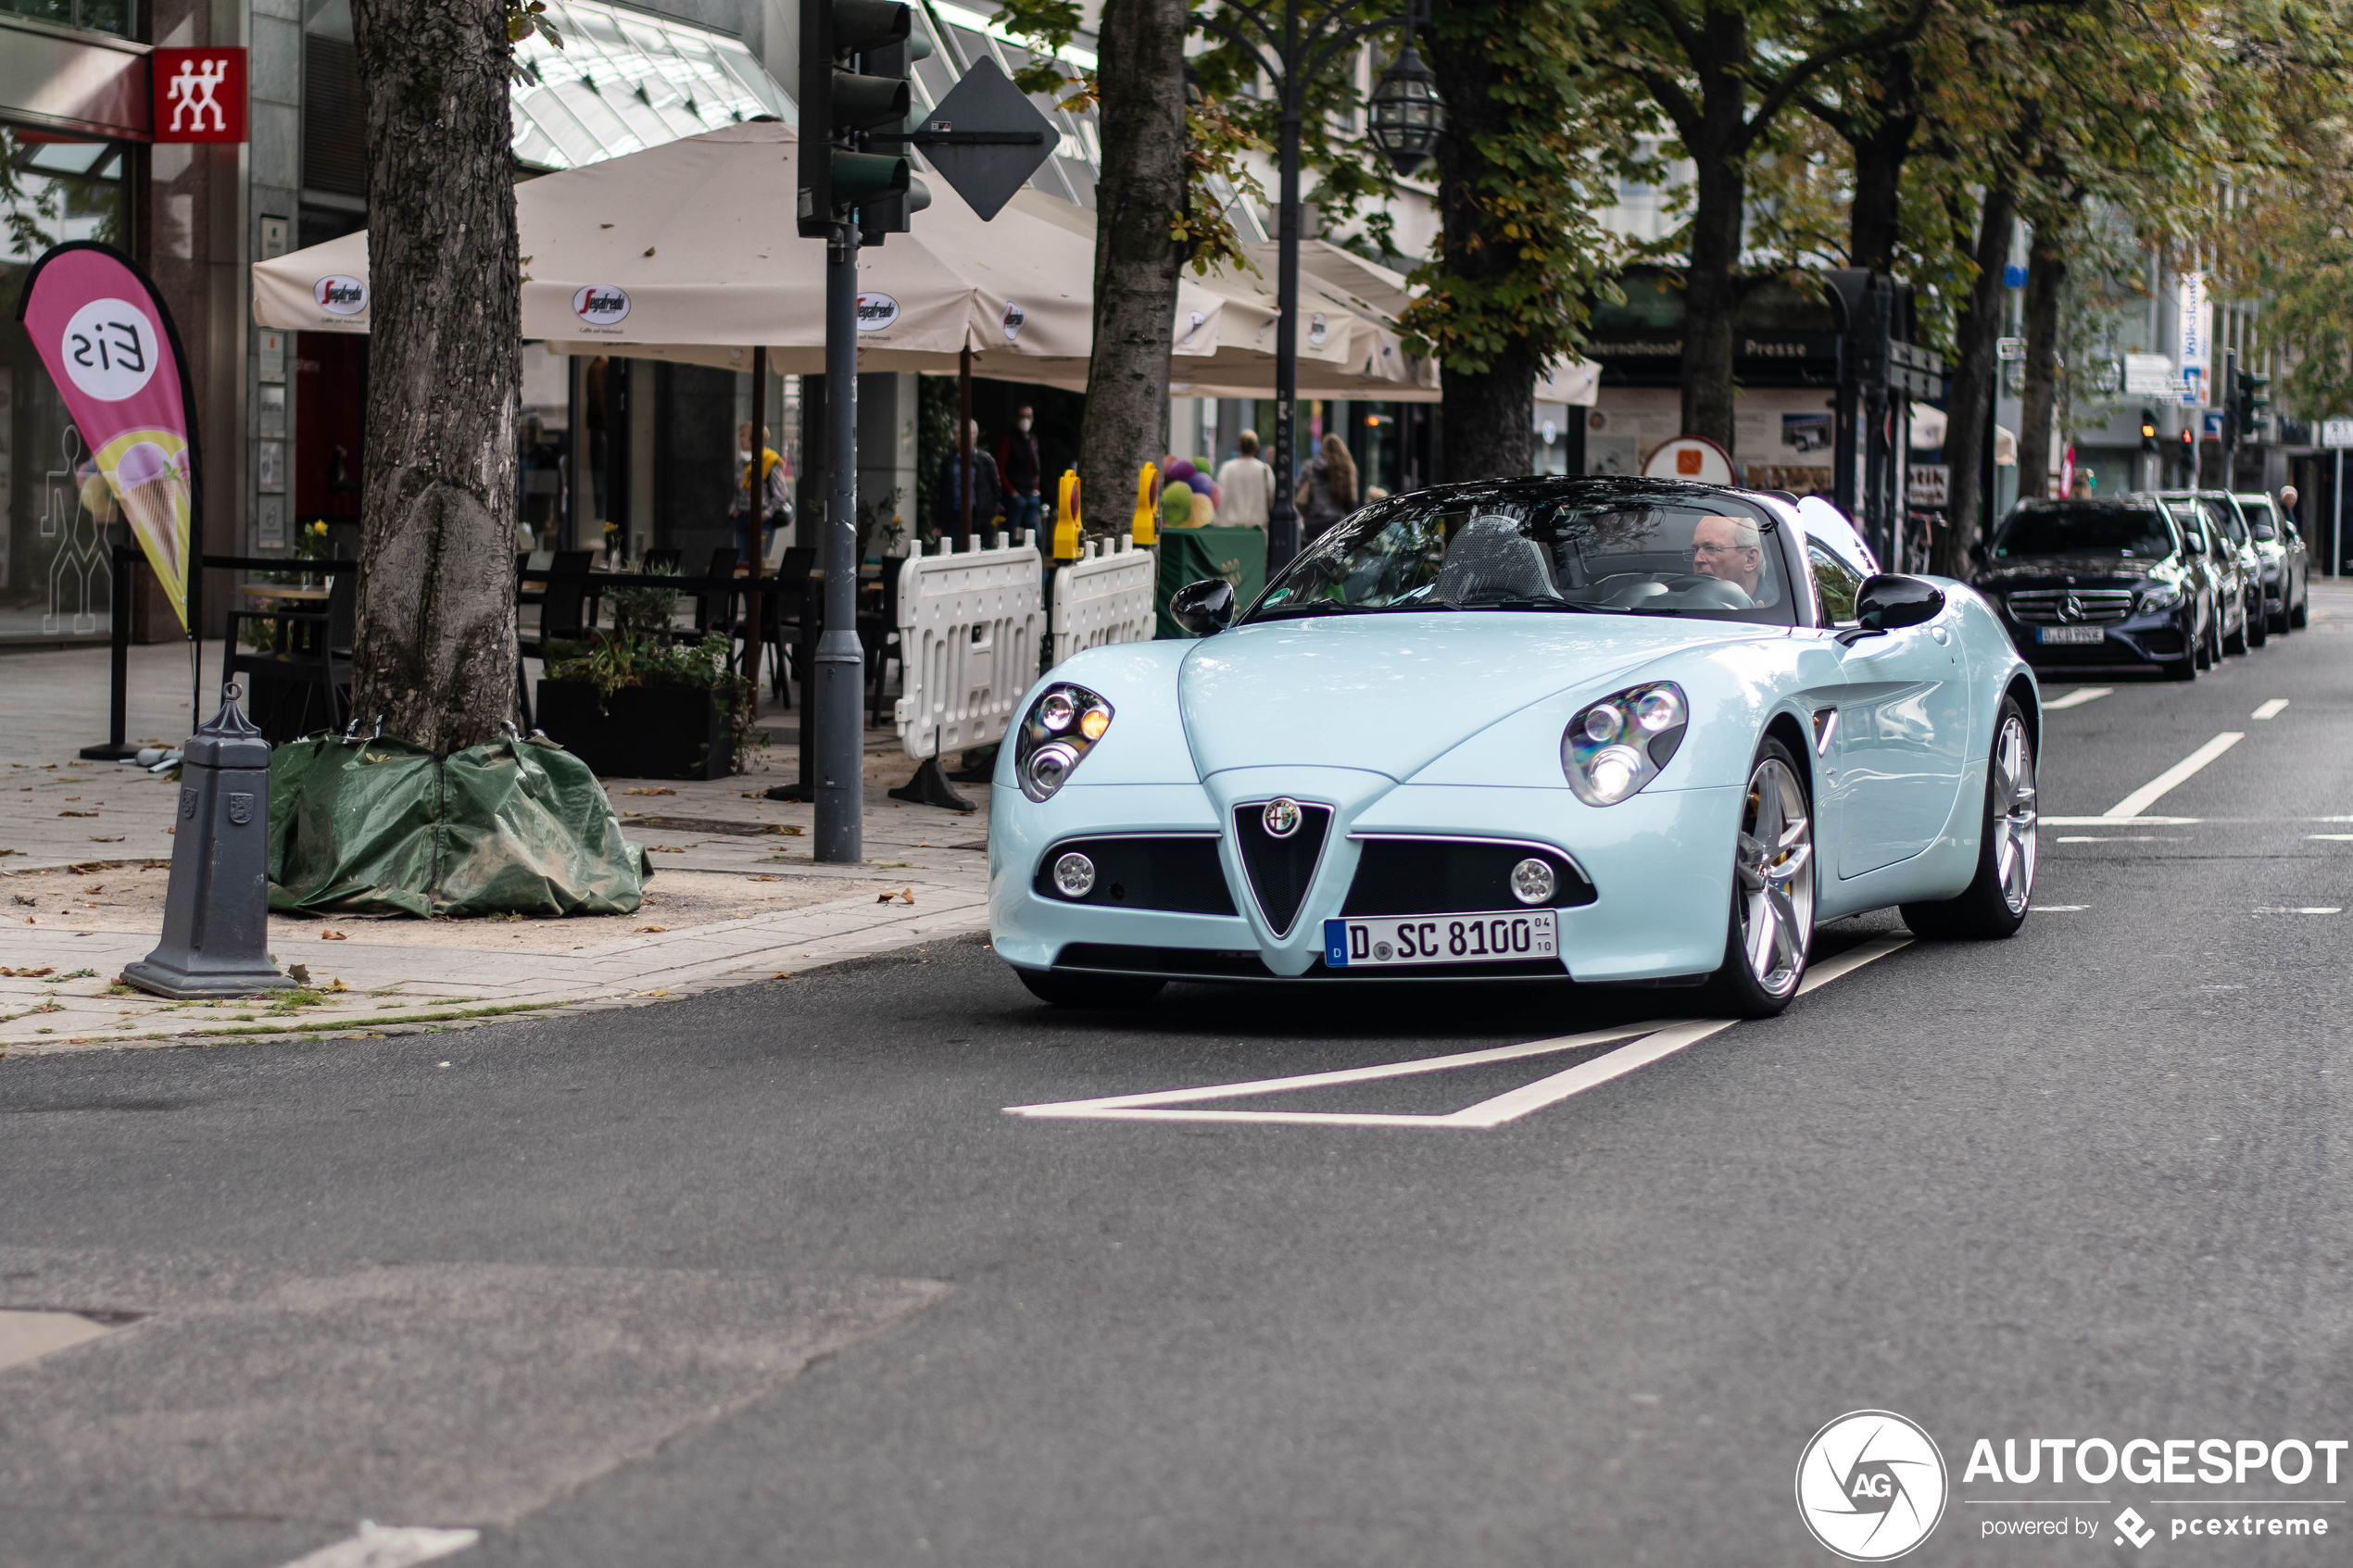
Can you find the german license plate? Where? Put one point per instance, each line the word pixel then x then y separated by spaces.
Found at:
pixel 2068 634
pixel 1498 937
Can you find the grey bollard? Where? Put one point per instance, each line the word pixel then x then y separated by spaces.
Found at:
pixel 215 911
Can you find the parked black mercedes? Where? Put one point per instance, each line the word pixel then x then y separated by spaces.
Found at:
pixel 2099 587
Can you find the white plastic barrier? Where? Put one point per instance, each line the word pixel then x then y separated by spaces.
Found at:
pixel 1104 597
pixel 969 626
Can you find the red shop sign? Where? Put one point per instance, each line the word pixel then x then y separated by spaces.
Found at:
pixel 200 95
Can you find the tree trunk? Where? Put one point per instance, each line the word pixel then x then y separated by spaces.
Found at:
pixel 1711 300
pixel 1141 76
pixel 1489 416
pixel 2046 277
pixel 1969 411
pixel 436 622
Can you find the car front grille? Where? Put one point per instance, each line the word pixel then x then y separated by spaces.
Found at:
pixel 1173 872
pixel 1280 869
pixel 1438 876
pixel 2090 606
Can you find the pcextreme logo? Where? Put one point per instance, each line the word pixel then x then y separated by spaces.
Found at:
pixel 1871 1486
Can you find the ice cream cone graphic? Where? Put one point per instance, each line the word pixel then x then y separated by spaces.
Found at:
pixel 155 497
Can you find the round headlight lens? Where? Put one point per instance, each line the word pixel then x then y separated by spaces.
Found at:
pixel 1093 722
pixel 1533 880
pixel 1601 725
pixel 1056 712
pixel 1048 768
pixel 1614 772
pixel 2161 595
pixel 1657 709
pixel 1073 875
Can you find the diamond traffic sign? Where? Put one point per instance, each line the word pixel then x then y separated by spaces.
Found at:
pixel 986 138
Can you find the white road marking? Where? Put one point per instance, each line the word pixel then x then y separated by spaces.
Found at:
pixel 2077 697
pixel 1651 1041
pixel 24 1336
pixel 2127 838
pixel 2122 822
pixel 2174 777
pixel 381 1546
pixel 2331 838
pixel 2060 909
pixel 2271 709
pixel 2321 909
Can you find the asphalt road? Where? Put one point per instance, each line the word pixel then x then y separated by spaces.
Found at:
pixel 769 1277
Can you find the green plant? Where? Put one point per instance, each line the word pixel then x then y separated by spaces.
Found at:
pixel 644 611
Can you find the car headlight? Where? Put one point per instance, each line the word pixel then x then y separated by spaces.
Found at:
pixel 1061 727
pixel 2161 595
pixel 1611 749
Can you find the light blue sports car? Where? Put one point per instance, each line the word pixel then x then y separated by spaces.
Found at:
pixel 1617 730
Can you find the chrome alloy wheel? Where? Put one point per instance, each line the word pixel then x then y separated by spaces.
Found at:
pixel 1774 868
pixel 2015 813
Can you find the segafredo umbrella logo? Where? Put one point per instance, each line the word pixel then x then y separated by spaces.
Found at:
pixel 1318 329
pixel 876 311
pixel 600 304
pixel 339 295
pixel 1014 318
pixel 1193 320
pixel 1871 1486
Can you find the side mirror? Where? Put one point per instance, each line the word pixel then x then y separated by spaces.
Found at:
pixel 1203 607
pixel 1887 603
pixel 2197 543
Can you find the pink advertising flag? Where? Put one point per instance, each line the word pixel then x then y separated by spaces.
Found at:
pixel 111 347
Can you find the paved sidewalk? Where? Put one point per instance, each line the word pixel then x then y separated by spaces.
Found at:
pixel 84 850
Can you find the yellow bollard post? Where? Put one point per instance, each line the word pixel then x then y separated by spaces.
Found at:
pixel 1066 516
pixel 1146 518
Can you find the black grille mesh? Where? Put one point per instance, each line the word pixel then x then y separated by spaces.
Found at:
pixel 1280 869
pixel 1411 876
pixel 1174 872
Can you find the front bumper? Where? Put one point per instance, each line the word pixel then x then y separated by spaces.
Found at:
pixel 2136 643
pixel 1660 864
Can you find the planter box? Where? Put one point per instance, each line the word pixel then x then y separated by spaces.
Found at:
pixel 644 732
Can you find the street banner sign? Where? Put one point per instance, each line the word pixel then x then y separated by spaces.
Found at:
pixel 200 95
pixel 2010 348
pixel 2337 432
pixel 2151 375
pixel 986 138
pixel 110 346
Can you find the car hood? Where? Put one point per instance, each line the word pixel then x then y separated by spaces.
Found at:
pixel 2067 572
pixel 1389 692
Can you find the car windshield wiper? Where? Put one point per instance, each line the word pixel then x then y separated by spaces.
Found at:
pixel 1549 604
pixel 1322 606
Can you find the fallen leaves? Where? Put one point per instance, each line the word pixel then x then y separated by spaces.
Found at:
pixel 299 974
pixel 781 974
pixel 30 973
pixel 94 887
pixel 77 813
pixel 659 791
pixel 94 838
pixel 653 928
pixel 333 936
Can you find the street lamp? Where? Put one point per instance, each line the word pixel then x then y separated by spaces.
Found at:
pixel 1405 119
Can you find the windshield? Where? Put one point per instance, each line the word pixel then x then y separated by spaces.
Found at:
pixel 2094 530
pixel 2260 519
pixel 2225 519
pixel 1605 548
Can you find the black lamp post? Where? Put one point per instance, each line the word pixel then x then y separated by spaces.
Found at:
pixel 1404 118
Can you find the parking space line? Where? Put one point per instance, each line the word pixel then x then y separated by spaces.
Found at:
pixel 2077 697
pixel 1649 1042
pixel 2271 709
pixel 379 1546
pixel 2174 777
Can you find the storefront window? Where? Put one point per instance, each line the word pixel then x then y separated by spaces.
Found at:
pixel 98 16
pixel 54 580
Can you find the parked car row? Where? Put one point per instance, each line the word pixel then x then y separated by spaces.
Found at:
pixel 2172 581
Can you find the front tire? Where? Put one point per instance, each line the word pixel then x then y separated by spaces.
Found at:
pixel 1995 903
pixel 1772 926
pixel 2258 621
pixel 2236 643
pixel 2301 615
pixel 1104 992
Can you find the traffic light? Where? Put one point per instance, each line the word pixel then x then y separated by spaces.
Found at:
pixel 889 215
pixel 2253 395
pixel 2148 431
pixel 838 102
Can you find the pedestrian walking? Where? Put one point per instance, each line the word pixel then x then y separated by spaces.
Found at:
pixel 1022 472
pixel 1246 485
pixel 987 490
pixel 1327 488
pixel 776 494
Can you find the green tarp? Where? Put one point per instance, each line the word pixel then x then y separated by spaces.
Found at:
pixel 382 827
pixel 1188 555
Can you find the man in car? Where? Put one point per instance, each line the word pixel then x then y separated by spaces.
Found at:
pixel 1728 548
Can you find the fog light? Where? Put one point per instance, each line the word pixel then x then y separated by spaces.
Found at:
pixel 1533 880
pixel 1073 875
